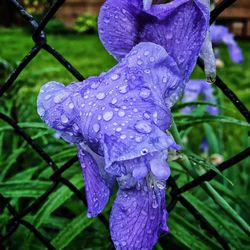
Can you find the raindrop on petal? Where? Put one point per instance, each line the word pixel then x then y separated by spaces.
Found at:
pixel 107 116
pixel 114 77
pixel 100 95
pixel 143 127
pixel 96 127
pixel 64 119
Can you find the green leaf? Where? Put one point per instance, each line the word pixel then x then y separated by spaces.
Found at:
pixel 55 200
pixel 190 120
pixel 213 144
pixel 24 188
pixel 190 235
pixel 71 231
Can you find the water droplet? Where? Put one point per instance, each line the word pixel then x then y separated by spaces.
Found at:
pixel 71 105
pixel 118 129
pixel 144 151
pixel 64 119
pixel 123 137
pixel 41 111
pixel 95 85
pixel 114 100
pixel 107 116
pixel 164 79
pixel 151 59
pixel 106 20
pixel 143 127
pixel 169 35
pixel 145 92
pixel 147 71
pixel 99 117
pixel 146 53
pixel 60 97
pixel 124 243
pixel 100 95
pixel 123 89
pixel 139 62
pixel 135 110
pixel 121 113
pixel 47 97
pixel 96 127
pixel 138 139
pixel 114 77
pixel 154 204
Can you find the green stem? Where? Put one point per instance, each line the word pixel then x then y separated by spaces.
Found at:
pixel 218 199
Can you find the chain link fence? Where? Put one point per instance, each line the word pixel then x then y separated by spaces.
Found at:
pixel 40 43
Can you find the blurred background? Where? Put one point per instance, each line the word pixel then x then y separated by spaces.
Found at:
pixel 24 177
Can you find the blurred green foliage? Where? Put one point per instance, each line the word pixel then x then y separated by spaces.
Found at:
pixel 62 218
pixel 86 23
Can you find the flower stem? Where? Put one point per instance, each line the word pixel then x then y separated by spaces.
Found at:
pixel 218 199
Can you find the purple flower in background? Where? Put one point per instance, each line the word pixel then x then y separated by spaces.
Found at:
pixel 221 35
pixel 179 26
pixel 193 90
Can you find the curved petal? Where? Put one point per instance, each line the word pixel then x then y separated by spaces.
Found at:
pixel 180 27
pixel 207 55
pixel 56 106
pixel 118 26
pixel 97 187
pixel 138 217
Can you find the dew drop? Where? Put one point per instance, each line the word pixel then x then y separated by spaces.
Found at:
pixel 151 59
pixel 47 97
pixel 64 119
pixel 96 127
pixel 144 151
pixel 118 129
pixel 123 137
pixel 114 77
pixel 121 113
pixel 143 127
pixel 71 105
pixel 107 116
pixel 146 53
pixel 145 92
pixel 147 71
pixel 41 111
pixel 123 89
pixel 100 95
pixel 114 100
pixel 169 35
pixel 139 62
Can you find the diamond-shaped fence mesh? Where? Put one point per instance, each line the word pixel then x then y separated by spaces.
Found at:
pixel 40 43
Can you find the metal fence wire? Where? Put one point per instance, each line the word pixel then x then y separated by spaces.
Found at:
pixel 40 43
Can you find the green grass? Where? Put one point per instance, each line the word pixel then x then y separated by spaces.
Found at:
pixel 23 176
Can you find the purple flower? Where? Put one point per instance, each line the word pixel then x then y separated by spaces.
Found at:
pixel 193 90
pixel 118 121
pixel 179 26
pixel 219 35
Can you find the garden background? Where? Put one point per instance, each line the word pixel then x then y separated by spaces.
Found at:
pixel 61 217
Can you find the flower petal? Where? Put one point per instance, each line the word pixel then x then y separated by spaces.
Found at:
pixel 179 26
pixel 117 25
pixel 56 107
pixel 97 186
pixel 138 217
